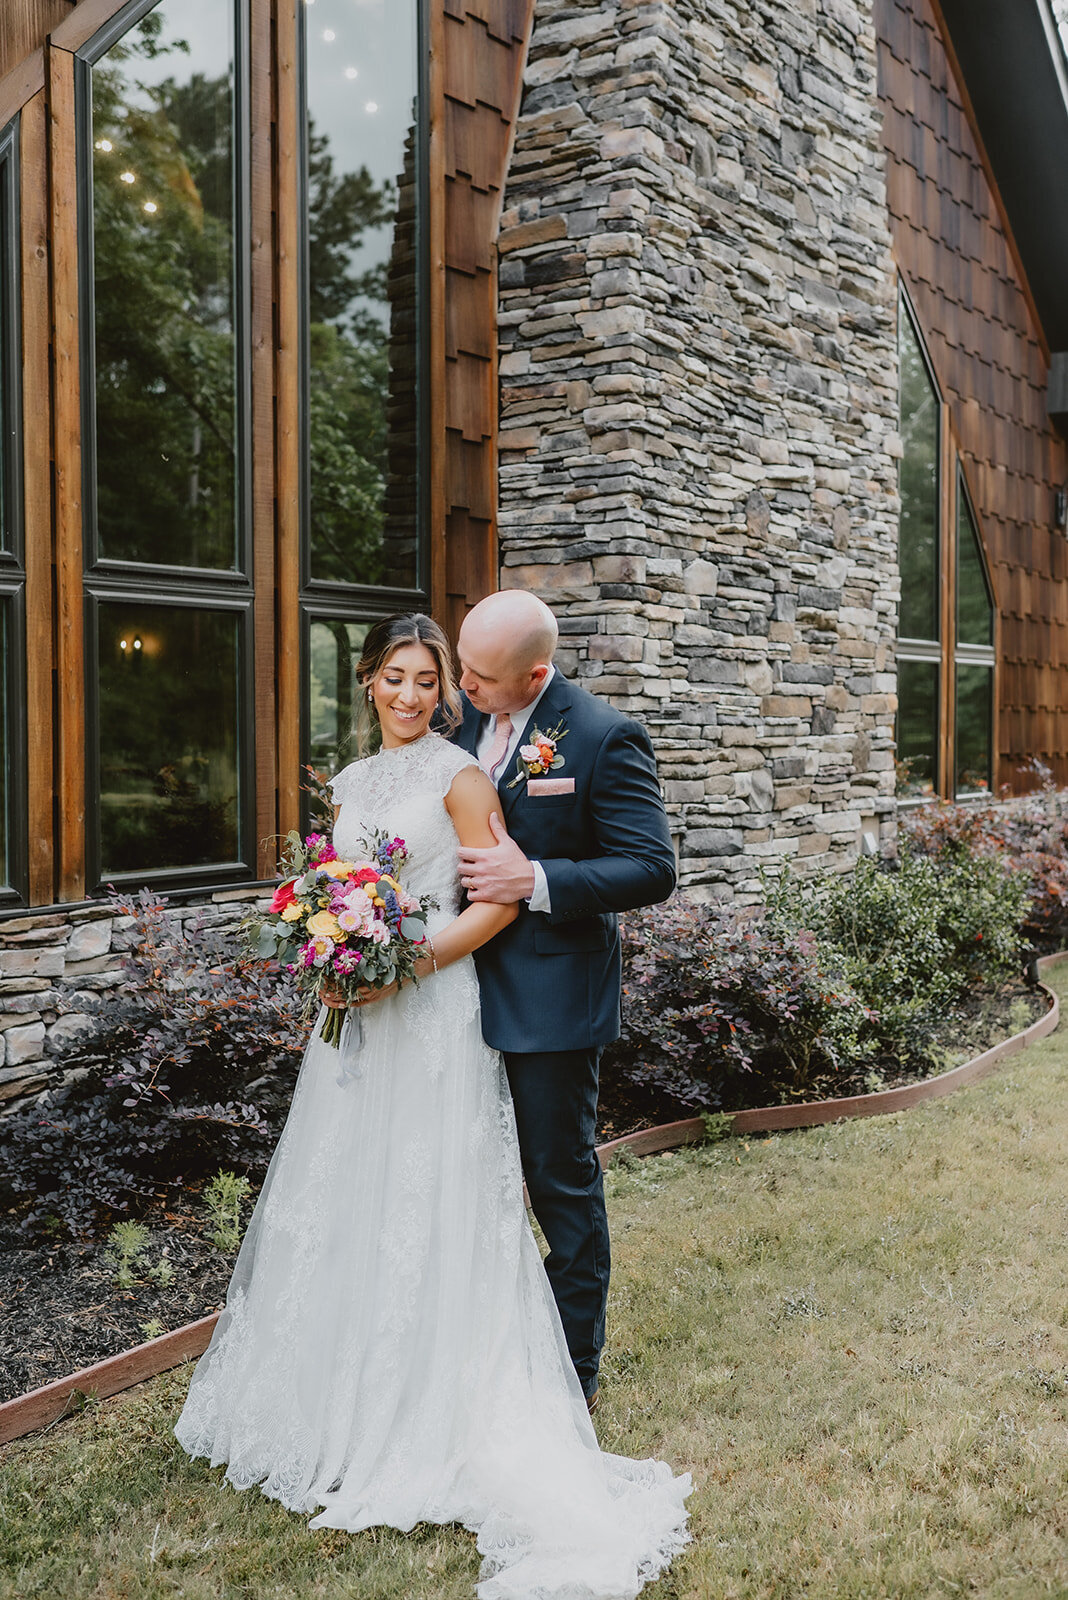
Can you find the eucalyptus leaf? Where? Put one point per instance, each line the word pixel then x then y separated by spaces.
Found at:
pixel 413 927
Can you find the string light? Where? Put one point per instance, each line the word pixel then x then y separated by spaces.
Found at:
pixel 127 177
pixel 371 107
pixel 350 73
pixel 329 35
pixel 136 643
pixel 151 207
pixel 104 144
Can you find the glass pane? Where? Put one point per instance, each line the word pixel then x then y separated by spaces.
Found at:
pixel 335 650
pixel 8 439
pixel 5 754
pixel 169 786
pixel 164 289
pixel 975 707
pixel 918 482
pixel 362 191
pixel 917 728
pixel 975 611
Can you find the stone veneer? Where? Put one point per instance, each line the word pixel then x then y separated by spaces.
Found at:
pixel 57 969
pixel 699 405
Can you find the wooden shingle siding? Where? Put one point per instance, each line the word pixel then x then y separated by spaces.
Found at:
pixel 483 51
pixel 24 25
pixel 959 264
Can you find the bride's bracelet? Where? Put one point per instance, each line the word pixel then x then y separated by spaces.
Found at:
pixel 433 955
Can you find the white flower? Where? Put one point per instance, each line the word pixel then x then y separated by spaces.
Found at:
pixel 530 752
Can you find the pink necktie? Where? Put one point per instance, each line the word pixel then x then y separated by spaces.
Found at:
pixel 502 732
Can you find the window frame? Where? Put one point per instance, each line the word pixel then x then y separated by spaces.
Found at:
pixel 108 579
pixel 86 58
pixel 15 891
pixel 952 492
pixel 213 873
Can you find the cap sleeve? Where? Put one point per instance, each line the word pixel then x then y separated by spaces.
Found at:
pixel 343 784
pixel 451 761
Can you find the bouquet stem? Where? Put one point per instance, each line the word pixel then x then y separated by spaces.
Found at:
pixel 333 1022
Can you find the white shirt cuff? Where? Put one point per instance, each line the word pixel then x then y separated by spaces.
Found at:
pixel 539 899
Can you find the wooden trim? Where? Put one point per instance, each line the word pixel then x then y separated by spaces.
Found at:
pixel 984 552
pixel 37 495
pixel 19 86
pixel 41 1407
pixel 947 588
pixel 435 456
pixel 261 250
pixel 87 18
pixel 288 402
pixel 67 458
pixel 999 204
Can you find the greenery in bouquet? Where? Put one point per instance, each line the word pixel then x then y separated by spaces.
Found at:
pixel 349 923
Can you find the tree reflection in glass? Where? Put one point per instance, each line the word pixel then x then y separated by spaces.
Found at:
pixel 168 737
pixel 975 710
pixel 335 650
pixel 362 66
pixel 917 729
pixel 918 537
pixel 164 289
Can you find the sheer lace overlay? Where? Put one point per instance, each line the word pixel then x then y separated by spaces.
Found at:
pixel 390 1351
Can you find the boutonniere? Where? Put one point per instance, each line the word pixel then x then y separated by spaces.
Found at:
pixel 539 754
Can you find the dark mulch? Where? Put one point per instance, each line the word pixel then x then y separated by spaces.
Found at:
pixel 60 1307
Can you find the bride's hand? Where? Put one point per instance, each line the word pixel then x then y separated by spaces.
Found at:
pixel 332 996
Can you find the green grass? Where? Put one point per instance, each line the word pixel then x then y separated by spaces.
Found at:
pixel 855 1337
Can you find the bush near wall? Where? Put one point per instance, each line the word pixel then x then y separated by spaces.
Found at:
pixel 724 1009
pixel 191 1066
pixel 188 1067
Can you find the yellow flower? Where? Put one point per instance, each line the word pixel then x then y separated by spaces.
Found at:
pixel 337 869
pixel 292 912
pixel 324 925
pixel 394 885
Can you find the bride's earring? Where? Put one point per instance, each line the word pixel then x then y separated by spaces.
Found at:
pixel 372 708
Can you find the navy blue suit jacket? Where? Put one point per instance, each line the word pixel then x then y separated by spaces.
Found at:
pixel 551 981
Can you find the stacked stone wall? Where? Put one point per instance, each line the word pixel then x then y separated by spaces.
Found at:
pixel 57 970
pixel 699 405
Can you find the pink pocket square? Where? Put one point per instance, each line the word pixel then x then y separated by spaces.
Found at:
pixel 550 785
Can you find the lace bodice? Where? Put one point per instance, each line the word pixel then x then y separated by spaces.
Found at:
pixel 402 792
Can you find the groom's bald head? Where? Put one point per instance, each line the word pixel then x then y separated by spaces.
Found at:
pixel 506 647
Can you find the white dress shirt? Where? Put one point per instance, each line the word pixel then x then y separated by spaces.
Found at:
pixel 521 721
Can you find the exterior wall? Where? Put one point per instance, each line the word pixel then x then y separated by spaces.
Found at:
pixel 987 351
pixel 699 402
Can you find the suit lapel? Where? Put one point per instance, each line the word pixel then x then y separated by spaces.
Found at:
pixel 467 734
pixel 551 709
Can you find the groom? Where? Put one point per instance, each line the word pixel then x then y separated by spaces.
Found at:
pixel 586 837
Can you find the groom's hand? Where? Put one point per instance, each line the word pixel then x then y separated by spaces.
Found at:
pixel 500 873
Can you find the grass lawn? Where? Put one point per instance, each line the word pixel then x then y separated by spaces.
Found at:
pixel 855 1337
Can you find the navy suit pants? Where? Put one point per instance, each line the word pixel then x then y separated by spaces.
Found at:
pixel 555 1098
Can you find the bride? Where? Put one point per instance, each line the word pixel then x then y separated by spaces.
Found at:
pixel 390 1351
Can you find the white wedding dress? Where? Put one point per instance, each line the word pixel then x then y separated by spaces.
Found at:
pixel 390 1351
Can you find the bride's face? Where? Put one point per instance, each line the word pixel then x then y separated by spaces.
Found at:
pixel 405 694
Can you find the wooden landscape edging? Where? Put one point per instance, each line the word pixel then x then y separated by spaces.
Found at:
pixel 41 1407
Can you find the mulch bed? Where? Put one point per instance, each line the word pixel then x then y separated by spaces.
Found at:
pixel 61 1309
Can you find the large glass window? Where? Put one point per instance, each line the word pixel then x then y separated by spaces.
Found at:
pixel 974 651
pixel 165 310
pixel 168 576
pixel 366 344
pixel 364 176
pixel 333 651
pixel 919 643
pixel 946 639
pixel 169 717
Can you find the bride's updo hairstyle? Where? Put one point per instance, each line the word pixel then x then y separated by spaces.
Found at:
pixel 383 640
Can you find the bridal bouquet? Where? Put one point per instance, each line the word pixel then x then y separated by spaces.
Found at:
pixel 351 922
